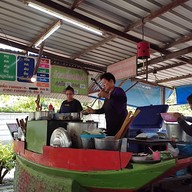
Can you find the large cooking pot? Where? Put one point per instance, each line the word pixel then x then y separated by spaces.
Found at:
pixel 174 131
pixel 68 116
pixel 31 116
pixel 41 115
pixel 75 129
pixel 186 137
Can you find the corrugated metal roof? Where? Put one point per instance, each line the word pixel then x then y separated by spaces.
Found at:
pixel 166 25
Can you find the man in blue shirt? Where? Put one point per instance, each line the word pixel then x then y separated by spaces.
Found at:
pixel 115 104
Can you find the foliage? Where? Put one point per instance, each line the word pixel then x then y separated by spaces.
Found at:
pixel 25 104
pixel 7 160
pixel 184 109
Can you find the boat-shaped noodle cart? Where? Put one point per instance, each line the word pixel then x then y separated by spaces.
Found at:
pixel 70 169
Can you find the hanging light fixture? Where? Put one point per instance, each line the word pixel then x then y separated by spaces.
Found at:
pixel 143 51
pixel 143 47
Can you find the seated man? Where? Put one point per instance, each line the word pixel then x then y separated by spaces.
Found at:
pixel 182 120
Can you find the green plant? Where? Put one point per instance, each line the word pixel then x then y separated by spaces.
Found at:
pixel 7 160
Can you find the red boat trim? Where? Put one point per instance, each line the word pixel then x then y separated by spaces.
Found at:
pixel 74 159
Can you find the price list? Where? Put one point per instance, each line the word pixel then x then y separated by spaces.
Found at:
pixel 25 68
pixel 7 67
pixel 43 73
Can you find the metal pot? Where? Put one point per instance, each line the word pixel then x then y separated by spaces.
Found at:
pixel 108 143
pixel 31 116
pixel 41 115
pixel 174 131
pixel 186 137
pixel 75 116
pixel 75 129
pixel 67 116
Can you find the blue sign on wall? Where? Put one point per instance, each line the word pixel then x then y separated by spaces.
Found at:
pixel 25 68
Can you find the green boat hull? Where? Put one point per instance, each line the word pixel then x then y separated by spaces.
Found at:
pixel 126 179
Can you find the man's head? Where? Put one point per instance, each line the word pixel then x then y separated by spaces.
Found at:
pixel 189 100
pixel 108 81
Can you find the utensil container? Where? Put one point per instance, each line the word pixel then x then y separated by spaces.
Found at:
pixel 108 143
pixel 174 131
pixel 88 140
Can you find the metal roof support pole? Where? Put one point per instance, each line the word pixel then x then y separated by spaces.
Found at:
pixel 162 95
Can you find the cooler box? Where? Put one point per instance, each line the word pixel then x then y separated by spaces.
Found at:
pixel 149 120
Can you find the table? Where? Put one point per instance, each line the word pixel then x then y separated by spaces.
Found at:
pixel 160 143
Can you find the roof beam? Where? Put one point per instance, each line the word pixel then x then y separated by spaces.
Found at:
pixel 65 61
pixel 105 40
pixel 162 68
pixel 52 26
pixel 149 83
pixel 76 4
pixel 183 39
pixel 171 56
pixel 174 78
pixel 57 7
pixel 155 14
pixel 134 25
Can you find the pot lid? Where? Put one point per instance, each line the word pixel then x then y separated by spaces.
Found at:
pixel 60 138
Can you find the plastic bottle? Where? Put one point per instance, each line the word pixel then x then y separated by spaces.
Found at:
pixel 51 111
pixel 51 107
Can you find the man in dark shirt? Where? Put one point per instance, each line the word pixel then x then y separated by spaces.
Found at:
pixel 70 105
pixel 115 104
pixel 182 120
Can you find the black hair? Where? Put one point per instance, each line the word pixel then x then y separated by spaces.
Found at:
pixel 108 76
pixel 189 99
pixel 69 88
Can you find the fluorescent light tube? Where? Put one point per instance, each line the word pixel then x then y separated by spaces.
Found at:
pixel 64 18
pixel 47 34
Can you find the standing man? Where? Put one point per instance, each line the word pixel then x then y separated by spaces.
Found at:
pixel 115 104
pixel 182 120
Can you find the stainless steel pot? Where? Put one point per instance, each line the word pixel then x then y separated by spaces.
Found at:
pixel 174 131
pixel 31 116
pixel 108 143
pixel 186 137
pixel 67 116
pixel 40 115
pixel 75 129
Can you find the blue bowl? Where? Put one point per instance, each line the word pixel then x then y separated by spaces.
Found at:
pixel 89 136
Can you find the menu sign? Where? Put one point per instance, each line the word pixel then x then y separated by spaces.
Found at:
pixel 7 67
pixel 25 68
pixel 43 73
pixel 61 77
pixel 16 72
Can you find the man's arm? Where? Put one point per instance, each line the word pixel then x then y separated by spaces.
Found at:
pixel 187 118
pixel 185 126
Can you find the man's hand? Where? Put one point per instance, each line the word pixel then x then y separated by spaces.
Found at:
pixel 89 110
pixel 178 115
pixel 104 94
